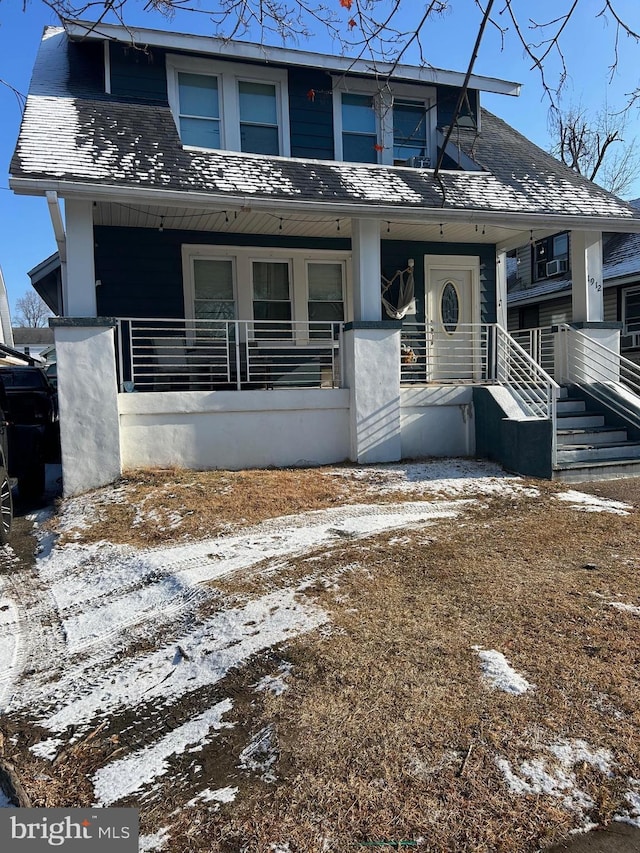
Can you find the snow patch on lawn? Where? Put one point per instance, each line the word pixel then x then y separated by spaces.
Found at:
pixel 633 798
pixel 556 777
pixel 47 748
pixel 125 776
pixel 591 503
pixel 625 608
pixel 499 672
pixel 9 644
pixel 157 841
pixel 451 477
pixel 275 683
pixel 261 754
pixel 220 795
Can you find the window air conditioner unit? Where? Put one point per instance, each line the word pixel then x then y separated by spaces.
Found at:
pixel 555 267
pixel 419 162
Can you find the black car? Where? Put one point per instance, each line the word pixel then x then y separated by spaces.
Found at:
pixel 30 405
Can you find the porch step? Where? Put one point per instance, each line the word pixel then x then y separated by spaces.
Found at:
pixel 580 421
pixel 595 435
pixel 581 472
pixel 598 453
pixel 570 405
pixel 588 448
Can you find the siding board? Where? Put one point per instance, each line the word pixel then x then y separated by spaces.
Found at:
pixel 138 74
pixel 311 118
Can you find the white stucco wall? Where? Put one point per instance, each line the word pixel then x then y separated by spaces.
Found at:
pixel 437 421
pixel 87 397
pixel 372 367
pixel 234 429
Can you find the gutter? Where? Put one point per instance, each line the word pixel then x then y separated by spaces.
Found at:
pixel 434 215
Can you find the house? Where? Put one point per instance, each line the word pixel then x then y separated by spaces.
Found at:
pixel 35 342
pixel 544 300
pixel 232 214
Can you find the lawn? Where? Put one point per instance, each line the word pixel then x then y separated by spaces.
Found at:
pixel 432 655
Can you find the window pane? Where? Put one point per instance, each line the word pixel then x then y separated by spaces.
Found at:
pixel 213 279
pixel 198 95
pixel 359 149
pixel 358 114
pixel 561 246
pixel 325 282
pixel 257 139
pixel 409 131
pixel 272 310
pixel 333 311
pixel 632 311
pixel 258 103
pixel 214 310
pixel 270 280
pixel 205 133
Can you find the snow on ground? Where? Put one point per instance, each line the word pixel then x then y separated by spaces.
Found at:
pixel 553 774
pixel 591 503
pixel 157 841
pixel 261 754
pixel 10 630
pixel 632 816
pixel 450 477
pixel 125 776
pixel 275 683
pixel 499 672
pixel 625 608
pixel 221 795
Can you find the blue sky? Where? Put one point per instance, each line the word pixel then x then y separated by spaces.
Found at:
pixel 26 236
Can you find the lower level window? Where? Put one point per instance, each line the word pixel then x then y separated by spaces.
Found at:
pixel 272 295
pixel 213 297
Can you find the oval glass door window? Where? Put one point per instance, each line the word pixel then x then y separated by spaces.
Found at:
pixel 450 307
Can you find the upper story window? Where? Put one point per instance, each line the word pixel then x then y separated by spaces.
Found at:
pixel 229 106
pixel 390 125
pixel 551 256
pixel 199 110
pixel 258 118
pixel 410 136
pixel 359 130
pixel 631 310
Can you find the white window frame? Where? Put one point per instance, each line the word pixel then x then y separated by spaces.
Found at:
pixel 229 75
pixel 383 98
pixel 336 261
pixel 243 256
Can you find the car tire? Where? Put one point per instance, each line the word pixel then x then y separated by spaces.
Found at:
pixel 6 507
pixel 31 483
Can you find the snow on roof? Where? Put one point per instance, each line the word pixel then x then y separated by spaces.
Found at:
pixel 70 135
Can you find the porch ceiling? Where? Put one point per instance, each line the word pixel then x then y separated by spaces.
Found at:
pixel 298 224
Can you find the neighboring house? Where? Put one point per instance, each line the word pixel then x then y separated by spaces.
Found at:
pixel 232 213
pixel 34 342
pixel 546 301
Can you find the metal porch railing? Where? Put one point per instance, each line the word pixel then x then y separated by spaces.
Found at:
pixel 192 355
pixel 539 344
pixel 601 370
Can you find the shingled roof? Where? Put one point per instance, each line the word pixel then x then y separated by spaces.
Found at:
pixel 70 136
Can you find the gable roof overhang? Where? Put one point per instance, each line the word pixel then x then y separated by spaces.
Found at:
pixel 243 50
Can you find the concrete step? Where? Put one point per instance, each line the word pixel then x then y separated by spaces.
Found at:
pixel 602 435
pixel 602 453
pixel 570 405
pixel 584 421
pixel 612 469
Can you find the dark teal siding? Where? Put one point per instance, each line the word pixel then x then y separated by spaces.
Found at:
pixel 138 74
pixel 447 99
pixel 86 67
pixel 396 253
pixel 310 117
pixel 141 268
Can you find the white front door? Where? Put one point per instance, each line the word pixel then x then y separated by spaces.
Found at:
pixel 454 341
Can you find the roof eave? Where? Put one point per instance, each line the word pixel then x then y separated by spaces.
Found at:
pixel 229 49
pixel 356 209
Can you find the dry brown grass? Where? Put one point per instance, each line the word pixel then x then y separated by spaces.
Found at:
pixel 387 730
pixel 374 731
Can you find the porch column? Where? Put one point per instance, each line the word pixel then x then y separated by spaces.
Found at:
pixel 88 402
pixel 501 289
pixel 586 275
pixel 80 281
pixel 372 366
pixel 365 245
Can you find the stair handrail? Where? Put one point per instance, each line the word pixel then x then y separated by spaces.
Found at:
pixel 529 375
pixel 599 370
